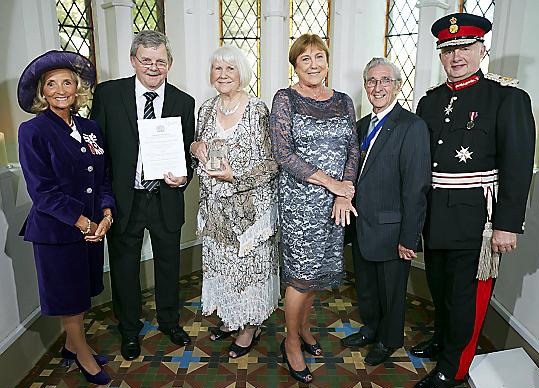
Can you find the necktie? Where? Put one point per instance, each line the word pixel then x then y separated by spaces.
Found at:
pixel 373 123
pixel 149 113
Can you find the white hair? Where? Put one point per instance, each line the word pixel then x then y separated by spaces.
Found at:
pixel 382 61
pixel 235 57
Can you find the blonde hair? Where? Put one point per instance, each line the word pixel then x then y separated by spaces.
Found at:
pixel 302 43
pixel 82 95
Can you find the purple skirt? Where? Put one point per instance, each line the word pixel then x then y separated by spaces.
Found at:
pixel 68 276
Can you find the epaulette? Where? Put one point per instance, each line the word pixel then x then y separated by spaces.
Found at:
pixel 435 87
pixel 504 81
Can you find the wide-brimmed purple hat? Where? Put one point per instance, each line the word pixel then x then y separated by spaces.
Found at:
pixel 54 59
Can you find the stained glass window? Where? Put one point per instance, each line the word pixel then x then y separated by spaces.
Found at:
pixel 308 16
pixel 483 8
pixel 240 27
pixel 76 31
pixel 148 15
pixel 401 43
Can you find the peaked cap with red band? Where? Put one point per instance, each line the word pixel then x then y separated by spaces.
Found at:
pixel 460 29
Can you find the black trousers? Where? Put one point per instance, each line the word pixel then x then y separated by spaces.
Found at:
pixel 381 297
pixel 460 302
pixel 124 254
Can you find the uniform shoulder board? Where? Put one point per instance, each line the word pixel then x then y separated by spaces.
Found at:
pixel 435 87
pixel 502 80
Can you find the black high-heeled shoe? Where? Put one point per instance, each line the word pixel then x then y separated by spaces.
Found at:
pixel 100 378
pixel 313 350
pixel 219 334
pixel 69 356
pixel 301 376
pixel 242 351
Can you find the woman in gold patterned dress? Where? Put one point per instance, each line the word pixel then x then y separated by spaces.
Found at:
pixel 237 218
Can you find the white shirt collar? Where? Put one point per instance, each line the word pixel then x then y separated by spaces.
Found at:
pixel 383 113
pixel 141 89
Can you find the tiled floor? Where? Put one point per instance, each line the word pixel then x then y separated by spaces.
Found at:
pixel 205 364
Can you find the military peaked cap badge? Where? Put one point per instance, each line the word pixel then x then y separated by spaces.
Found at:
pixel 460 29
pixel 453 28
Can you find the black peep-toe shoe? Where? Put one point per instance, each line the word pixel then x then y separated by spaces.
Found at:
pixel 314 350
pixel 242 351
pixel 221 334
pixel 303 376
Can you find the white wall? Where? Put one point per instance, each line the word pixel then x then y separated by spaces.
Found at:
pixel 26 30
pixel 515 53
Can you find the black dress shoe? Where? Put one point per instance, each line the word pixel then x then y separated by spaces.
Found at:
pixel 356 340
pixel 437 379
pixel 177 335
pixel 427 349
pixel 378 354
pixel 130 347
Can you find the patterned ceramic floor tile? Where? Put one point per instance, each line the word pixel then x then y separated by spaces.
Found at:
pixel 205 363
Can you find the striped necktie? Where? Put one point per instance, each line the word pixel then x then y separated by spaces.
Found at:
pixel 373 123
pixel 149 113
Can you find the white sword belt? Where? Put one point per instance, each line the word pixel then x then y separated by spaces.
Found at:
pixel 465 180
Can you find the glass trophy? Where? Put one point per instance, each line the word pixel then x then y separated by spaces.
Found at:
pixel 217 152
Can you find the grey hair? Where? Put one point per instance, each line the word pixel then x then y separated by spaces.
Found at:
pixel 153 39
pixel 235 57
pixel 382 61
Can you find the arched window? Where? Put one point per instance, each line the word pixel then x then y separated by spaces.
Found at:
pixel 148 15
pixel 483 8
pixel 240 27
pixel 402 18
pixel 76 31
pixel 308 16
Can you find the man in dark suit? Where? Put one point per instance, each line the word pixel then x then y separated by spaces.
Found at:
pixel 391 201
pixel 156 205
pixel 482 136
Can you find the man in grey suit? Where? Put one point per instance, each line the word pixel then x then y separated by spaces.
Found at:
pixel 393 181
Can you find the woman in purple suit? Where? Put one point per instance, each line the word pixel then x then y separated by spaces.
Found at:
pixel 64 165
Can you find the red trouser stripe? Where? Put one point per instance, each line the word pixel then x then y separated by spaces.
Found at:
pixel 482 299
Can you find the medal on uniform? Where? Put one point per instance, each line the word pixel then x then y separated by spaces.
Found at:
pixel 449 108
pixel 471 123
pixel 464 154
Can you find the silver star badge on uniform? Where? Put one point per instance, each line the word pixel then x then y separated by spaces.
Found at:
pixel 449 108
pixel 463 154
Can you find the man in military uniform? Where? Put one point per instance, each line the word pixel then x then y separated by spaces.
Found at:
pixel 482 147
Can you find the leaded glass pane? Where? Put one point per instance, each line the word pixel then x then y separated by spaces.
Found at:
pixel 401 44
pixel 240 27
pixel 483 8
pixel 148 15
pixel 308 16
pixel 76 32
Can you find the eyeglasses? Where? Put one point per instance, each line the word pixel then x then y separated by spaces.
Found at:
pixel 148 63
pixel 384 81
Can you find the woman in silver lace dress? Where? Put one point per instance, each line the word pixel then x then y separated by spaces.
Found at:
pixel 237 219
pixel 315 143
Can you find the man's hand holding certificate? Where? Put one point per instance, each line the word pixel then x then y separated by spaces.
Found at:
pixel 161 149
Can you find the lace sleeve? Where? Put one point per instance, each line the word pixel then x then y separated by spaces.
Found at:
pixel 282 140
pixel 352 162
